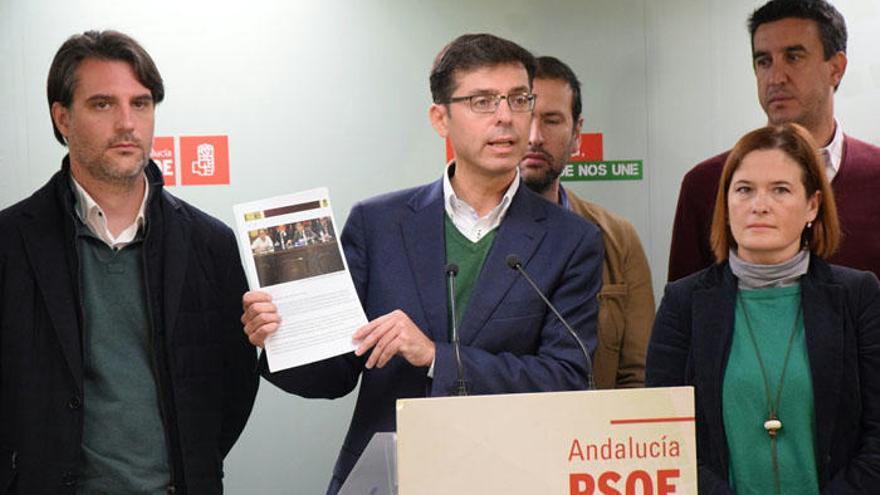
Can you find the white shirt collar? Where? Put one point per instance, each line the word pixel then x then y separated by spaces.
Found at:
pixel 92 215
pixel 833 153
pixel 465 218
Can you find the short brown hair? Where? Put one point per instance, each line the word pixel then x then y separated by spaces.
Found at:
pixel 554 69
pixel 793 140
pixel 101 45
pixel 470 52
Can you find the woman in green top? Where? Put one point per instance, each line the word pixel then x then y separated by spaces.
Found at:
pixel 783 349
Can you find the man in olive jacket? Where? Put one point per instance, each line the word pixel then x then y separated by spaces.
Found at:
pixel 123 365
pixel 626 300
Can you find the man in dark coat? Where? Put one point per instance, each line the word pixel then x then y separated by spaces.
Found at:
pixel 123 367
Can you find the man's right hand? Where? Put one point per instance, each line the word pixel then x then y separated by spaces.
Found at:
pixel 260 318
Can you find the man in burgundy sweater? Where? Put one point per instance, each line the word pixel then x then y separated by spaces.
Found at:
pixel 799 58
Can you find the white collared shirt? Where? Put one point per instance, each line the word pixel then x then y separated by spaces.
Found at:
pixel 465 218
pixel 833 153
pixel 92 215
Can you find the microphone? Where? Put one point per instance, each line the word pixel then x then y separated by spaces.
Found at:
pixel 515 264
pixel 460 384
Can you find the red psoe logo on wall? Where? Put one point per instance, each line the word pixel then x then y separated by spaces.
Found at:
pixel 204 160
pixel 163 154
pixel 590 148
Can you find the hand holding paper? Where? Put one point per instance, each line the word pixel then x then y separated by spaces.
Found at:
pixel 303 306
pixel 260 317
pixel 393 334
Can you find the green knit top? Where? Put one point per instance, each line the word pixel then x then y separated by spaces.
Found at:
pixel 772 313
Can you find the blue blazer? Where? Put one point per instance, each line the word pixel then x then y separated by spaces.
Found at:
pixel 511 342
pixel 691 342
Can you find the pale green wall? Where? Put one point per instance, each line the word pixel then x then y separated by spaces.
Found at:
pixel 335 93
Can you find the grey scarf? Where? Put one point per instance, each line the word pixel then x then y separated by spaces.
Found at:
pixel 752 276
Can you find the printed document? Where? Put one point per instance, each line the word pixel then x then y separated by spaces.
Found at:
pixel 290 248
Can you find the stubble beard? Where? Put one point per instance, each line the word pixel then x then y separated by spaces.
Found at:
pixel 541 183
pixel 117 172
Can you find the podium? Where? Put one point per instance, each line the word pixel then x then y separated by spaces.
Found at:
pixel 636 441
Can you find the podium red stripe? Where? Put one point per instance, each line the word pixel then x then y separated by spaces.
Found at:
pixel 677 419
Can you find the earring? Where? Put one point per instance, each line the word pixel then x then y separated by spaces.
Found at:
pixel 809 225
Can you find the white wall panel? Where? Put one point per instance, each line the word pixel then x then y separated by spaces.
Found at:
pixel 335 93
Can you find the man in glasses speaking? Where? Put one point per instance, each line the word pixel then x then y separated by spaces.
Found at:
pixel 399 247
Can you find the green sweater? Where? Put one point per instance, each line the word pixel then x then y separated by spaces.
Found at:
pixel 123 443
pixel 469 256
pixel 772 314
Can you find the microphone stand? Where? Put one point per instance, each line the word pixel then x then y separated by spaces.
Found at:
pixel 514 263
pixel 461 387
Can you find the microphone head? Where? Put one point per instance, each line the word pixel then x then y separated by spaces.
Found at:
pixel 452 269
pixel 513 261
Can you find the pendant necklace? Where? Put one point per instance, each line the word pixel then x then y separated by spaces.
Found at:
pixel 773 424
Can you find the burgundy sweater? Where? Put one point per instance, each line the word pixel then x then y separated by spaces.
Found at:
pixel 856 191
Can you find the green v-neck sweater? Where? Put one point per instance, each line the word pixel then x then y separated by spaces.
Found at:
pixel 469 256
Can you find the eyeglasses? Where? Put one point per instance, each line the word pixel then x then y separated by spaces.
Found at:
pixel 518 102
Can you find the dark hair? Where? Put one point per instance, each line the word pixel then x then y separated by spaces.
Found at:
pixel 102 45
pixel 553 68
pixel 832 27
pixel 473 51
pixel 796 142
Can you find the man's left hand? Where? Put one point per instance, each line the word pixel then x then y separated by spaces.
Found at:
pixel 392 334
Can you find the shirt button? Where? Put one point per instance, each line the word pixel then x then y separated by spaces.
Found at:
pixel 68 479
pixel 74 403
